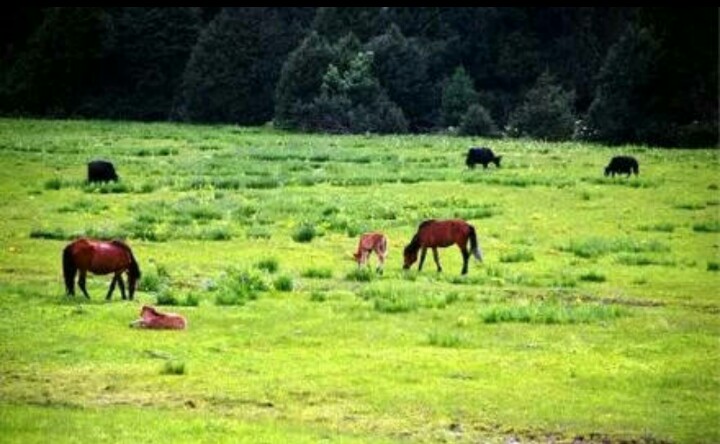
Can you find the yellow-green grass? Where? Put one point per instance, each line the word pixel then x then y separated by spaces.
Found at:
pixel 594 313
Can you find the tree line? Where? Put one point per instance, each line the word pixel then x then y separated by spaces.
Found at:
pixel 646 75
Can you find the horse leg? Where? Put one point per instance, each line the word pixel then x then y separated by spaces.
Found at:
pixel 81 283
pixel 466 256
pixel 121 285
pixel 381 262
pixel 112 287
pixel 71 291
pixel 422 258
pixel 437 259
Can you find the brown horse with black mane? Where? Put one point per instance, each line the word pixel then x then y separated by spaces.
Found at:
pixel 99 257
pixel 442 233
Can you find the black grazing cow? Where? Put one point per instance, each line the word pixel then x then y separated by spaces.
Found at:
pixel 101 171
pixel 481 155
pixel 622 165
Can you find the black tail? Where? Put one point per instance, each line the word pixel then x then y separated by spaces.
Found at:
pixel 133 269
pixel 474 247
pixel 69 270
pixel 133 274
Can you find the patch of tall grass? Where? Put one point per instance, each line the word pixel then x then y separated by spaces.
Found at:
pixel 551 312
pixel 270 264
pixel 317 273
pixel 304 233
pixel 522 255
pixel 360 274
pixel 84 206
pixel 284 283
pixel 173 367
pixel 712 226
pixel 446 339
pixel 592 276
pixel 642 260
pixel 237 287
pixel 593 247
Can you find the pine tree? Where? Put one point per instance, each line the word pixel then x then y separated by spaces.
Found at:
pixel 143 73
pixel 364 22
pixel 621 109
pixel 458 94
pixel 300 79
pixel 232 71
pixel 62 57
pixel 401 66
pixel 352 101
pixel 478 122
pixel 546 113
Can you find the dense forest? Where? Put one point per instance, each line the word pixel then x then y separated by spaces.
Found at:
pixel 614 75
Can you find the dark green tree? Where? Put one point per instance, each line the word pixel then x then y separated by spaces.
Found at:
pixel 233 69
pixel 687 74
pixel 574 42
pixel 352 101
pixel 546 112
pixel 621 111
pixel 401 66
pixel 62 57
pixel 458 93
pixel 17 24
pixel 142 72
pixel 334 22
pixel 300 79
pixel 478 122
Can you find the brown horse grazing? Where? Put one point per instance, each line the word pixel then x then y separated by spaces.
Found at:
pixel 442 233
pixel 368 243
pixel 99 257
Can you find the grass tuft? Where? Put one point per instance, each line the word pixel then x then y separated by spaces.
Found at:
pixel 445 340
pixel 592 276
pixel 518 256
pixel 270 265
pixel 304 233
pixel 173 367
pixel 362 274
pixel 551 313
pixel 284 283
pixel 318 273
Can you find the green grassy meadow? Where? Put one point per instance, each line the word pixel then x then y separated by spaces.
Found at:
pixel 594 315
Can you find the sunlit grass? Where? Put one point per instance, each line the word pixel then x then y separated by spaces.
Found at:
pixel 592 314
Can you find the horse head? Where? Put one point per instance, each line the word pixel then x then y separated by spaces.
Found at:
pixel 410 255
pixel 148 311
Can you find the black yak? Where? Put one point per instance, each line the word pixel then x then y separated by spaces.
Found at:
pixel 622 165
pixel 101 171
pixel 481 155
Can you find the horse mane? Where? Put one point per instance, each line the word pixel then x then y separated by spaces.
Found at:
pixel 425 223
pixel 414 245
pixel 120 243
